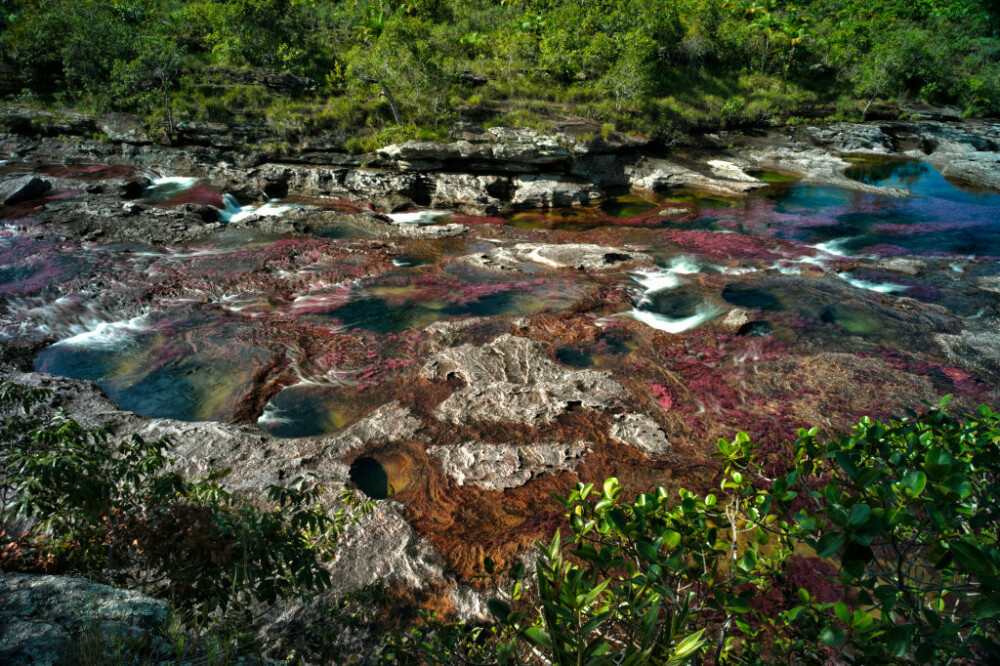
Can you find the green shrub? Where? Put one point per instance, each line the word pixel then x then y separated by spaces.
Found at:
pixel 111 508
pixel 905 510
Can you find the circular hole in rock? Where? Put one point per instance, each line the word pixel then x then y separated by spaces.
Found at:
pixel 369 476
pixel 674 303
pixel 752 298
pixel 756 329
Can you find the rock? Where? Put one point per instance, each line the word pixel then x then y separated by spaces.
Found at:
pixel 982 169
pixel 736 319
pixel 482 195
pixel 552 191
pixel 904 265
pixel 991 283
pixel 449 230
pixel 524 256
pixel 132 208
pixel 975 349
pixel 656 175
pixel 731 171
pixel 123 128
pixel 23 189
pixel 502 466
pixel 512 380
pixel 47 619
pixel 640 432
pixel 528 146
pixel 675 211
pixel 850 138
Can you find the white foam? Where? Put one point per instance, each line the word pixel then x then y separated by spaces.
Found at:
pixel 703 313
pixel 658 279
pixel 107 334
pixel 269 209
pixel 420 217
pixel 833 247
pixel 880 287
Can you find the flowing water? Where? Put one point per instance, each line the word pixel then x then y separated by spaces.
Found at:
pixel 304 334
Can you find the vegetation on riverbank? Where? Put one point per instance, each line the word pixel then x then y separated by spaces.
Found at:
pixel 395 69
pixel 880 547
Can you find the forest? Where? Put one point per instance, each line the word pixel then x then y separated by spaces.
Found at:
pixel 391 69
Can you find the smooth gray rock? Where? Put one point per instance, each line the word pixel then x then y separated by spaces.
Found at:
pixel 23 189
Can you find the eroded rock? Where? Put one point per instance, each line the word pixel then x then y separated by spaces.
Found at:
pixel 502 466
pixel 512 380
pixel 553 191
pixel 23 189
pixel 524 256
pixel 640 432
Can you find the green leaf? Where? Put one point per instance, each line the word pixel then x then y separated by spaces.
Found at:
pixel 858 515
pixel 830 544
pixel 914 482
pixel 832 636
pixel 972 559
pixel 499 608
pixel 986 608
pixel 537 636
pixel 842 612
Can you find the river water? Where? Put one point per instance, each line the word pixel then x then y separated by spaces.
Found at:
pixel 303 335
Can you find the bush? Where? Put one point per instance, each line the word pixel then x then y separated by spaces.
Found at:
pixel 85 501
pixel 900 518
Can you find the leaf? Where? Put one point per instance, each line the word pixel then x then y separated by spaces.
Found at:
pixel 971 559
pixel 686 648
pixel 858 515
pixel 537 636
pixel 914 482
pixel 842 612
pixel 830 544
pixel 499 608
pixel 986 608
pixel 832 636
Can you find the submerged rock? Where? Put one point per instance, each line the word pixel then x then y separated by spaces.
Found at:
pixel 51 619
pixel 502 466
pixel 512 380
pixel 578 256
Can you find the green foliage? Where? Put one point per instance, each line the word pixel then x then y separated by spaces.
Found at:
pixel 643 65
pixel 906 510
pixel 910 514
pixel 110 507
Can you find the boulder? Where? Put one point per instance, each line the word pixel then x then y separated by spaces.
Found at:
pixel 23 189
pixel 553 191
pixel 52 619
pixel 473 193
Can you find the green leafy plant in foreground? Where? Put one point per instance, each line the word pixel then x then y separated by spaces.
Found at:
pixel 111 508
pixel 902 514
